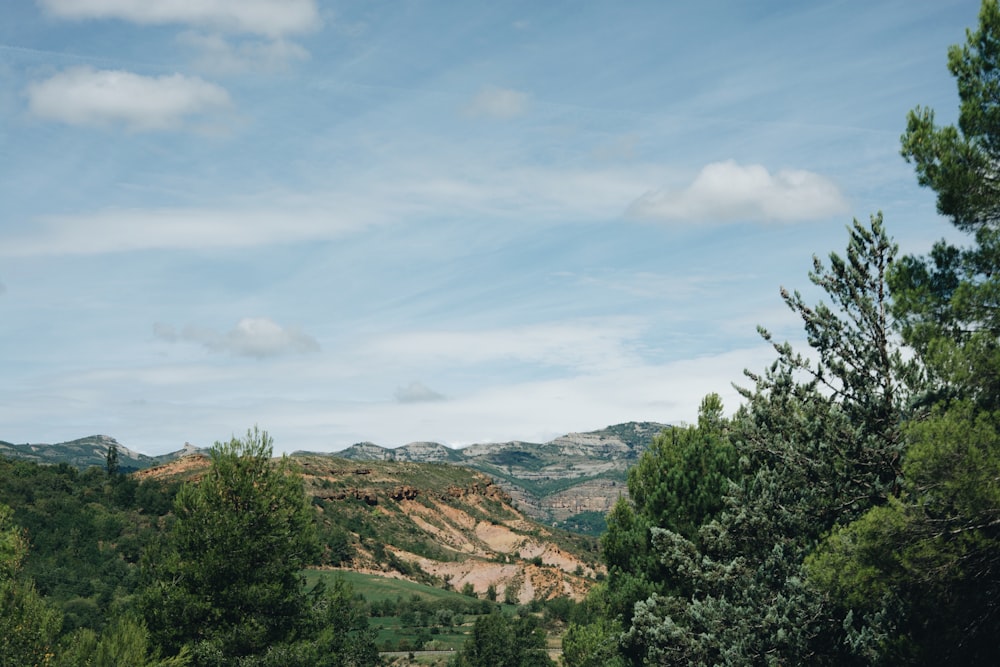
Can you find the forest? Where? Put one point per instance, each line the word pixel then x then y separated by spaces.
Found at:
pixel 847 512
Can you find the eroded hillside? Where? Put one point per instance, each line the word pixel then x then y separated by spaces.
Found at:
pixel 433 523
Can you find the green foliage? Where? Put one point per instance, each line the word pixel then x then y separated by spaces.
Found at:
pixel 227 583
pixel 921 575
pixel 587 523
pixel 960 163
pixel 818 444
pixel 86 532
pixel 28 626
pixel 125 641
pixel 111 461
pixel 678 483
pixel 592 644
pixel 501 641
pixel 918 578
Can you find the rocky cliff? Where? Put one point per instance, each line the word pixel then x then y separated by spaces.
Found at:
pixel 556 481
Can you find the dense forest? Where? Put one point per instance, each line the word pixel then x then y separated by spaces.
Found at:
pixel 847 513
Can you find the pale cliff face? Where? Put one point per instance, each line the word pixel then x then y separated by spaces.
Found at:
pixel 552 481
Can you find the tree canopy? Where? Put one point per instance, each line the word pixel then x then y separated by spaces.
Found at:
pixel 227 583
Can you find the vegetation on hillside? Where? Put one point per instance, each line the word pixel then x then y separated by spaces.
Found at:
pixel 201 561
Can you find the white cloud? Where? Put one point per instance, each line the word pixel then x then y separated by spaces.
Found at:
pixel 219 55
pixel 256 337
pixel 417 392
pixel 730 192
pixel 272 18
pixel 85 96
pixel 492 102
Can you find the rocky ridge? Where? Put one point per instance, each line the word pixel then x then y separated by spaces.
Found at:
pixel 555 481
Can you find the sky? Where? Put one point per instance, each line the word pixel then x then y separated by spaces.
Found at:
pixel 434 220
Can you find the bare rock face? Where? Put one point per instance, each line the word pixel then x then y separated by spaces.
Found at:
pixel 553 481
pixel 404 492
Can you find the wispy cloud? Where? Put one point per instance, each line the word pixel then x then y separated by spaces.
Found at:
pixel 85 96
pixel 218 55
pixel 404 195
pixel 730 192
pixel 581 345
pixel 492 102
pixel 272 18
pixel 256 337
pixel 416 392
pixel 124 230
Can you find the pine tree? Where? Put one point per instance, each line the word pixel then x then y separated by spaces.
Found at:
pixel 229 581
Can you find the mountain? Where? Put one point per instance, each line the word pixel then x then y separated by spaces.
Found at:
pixel 571 481
pixel 90 451
pixel 432 523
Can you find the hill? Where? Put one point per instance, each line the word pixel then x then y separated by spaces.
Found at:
pixel 433 523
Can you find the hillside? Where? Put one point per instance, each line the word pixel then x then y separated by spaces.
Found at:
pixel 431 523
pixel 568 481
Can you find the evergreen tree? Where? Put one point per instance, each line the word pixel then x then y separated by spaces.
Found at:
pixel 961 163
pixel 920 577
pixel 229 581
pixel 819 444
pixel 678 484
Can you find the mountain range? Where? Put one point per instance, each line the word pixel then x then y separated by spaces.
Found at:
pixel 571 481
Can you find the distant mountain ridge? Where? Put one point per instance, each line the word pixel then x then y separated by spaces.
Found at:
pixel 571 481
pixel 577 475
pixel 90 451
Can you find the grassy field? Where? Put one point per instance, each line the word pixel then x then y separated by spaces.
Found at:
pixel 423 617
pixel 375 588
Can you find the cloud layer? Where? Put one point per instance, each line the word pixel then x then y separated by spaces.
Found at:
pixel 730 192
pixel 256 337
pixel 85 96
pixel 272 18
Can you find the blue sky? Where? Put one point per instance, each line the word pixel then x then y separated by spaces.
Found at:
pixel 448 221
